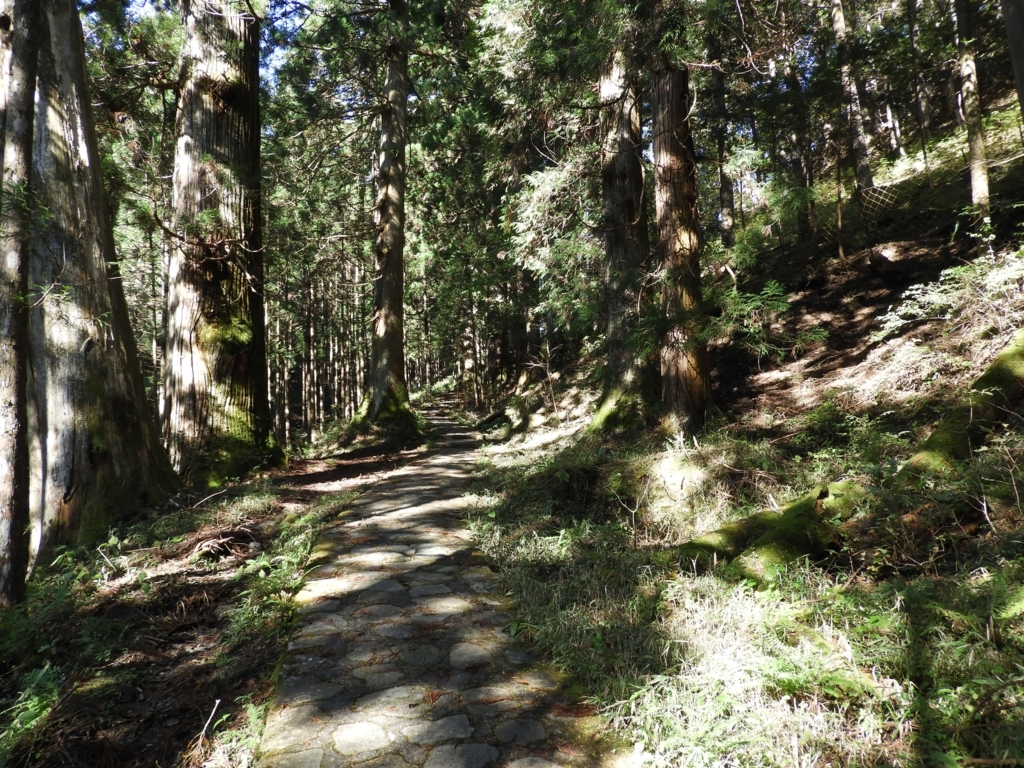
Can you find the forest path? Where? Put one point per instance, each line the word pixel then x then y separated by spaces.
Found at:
pixel 399 657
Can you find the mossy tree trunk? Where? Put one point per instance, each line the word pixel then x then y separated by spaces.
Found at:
pixel 685 376
pixel 19 40
pixel 215 381
pixel 387 393
pixel 625 223
pixel 94 451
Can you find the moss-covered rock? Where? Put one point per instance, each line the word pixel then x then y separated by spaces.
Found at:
pixel 804 528
pixel 763 543
pixel 1000 388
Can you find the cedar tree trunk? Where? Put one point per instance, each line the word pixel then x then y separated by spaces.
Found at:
pixel 215 386
pixel 19 41
pixel 727 207
pixel 922 95
pixel 625 225
pixel 861 141
pixel 386 391
pixel 686 383
pixel 1013 16
pixel 94 450
pixel 972 105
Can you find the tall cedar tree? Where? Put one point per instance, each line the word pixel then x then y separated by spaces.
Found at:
pixel 625 219
pixel 1013 16
pixel 18 60
pixel 685 374
pixel 215 385
pixel 386 389
pixel 971 95
pixel 93 452
pixel 858 136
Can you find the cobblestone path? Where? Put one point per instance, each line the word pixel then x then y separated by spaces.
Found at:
pixel 399 657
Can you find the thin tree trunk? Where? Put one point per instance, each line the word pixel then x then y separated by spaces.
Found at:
pixel 861 142
pixel 1013 16
pixel 387 391
pixel 972 105
pixel 94 448
pixel 625 226
pixel 686 382
pixel 19 42
pixel 214 370
pixel 807 216
pixel 922 92
pixel 726 204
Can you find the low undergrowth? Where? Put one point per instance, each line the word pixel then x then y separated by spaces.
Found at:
pixel 900 644
pixel 159 646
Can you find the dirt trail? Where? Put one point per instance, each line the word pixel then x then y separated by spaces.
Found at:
pixel 399 656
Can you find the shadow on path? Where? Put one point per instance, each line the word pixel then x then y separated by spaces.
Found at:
pixel 399 657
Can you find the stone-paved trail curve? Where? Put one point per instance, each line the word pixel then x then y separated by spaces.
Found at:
pixel 399 656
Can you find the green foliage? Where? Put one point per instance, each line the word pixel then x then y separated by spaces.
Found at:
pixel 38 691
pixel 70 643
pixel 754 320
pixel 988 287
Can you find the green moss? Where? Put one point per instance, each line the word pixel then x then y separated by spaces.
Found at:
pixel 761 544
pixel 725 543
pixel 803 529
pixel 952 441
pixel 227 337
pixel 619 411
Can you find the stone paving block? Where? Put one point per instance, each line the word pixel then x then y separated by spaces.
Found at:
pixel 397 631
pixel 359 738
pixel 379 676
pixel 386 585
pixel 429 589
pixel 520 732
pixel 320 606
pixel 467 655
pixel 377 612
pixel 462 756
pixel 421 655
pixel 292 726
pixel 445 729
pixel 407 701
pixel 295 690
pixel 310 758
pixel 444 605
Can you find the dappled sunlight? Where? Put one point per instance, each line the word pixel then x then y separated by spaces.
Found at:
pixel 404 648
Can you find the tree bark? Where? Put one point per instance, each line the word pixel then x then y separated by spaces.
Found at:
pixel 215 385
pixel 972 105
pixel 625 225
pixel 860 139
pixel 686 382
pixel 922 94
pixel 727 207
pixel 19 41
pixel 1013 16
pixel 807 216
pixel 386 387
pixel 94 450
